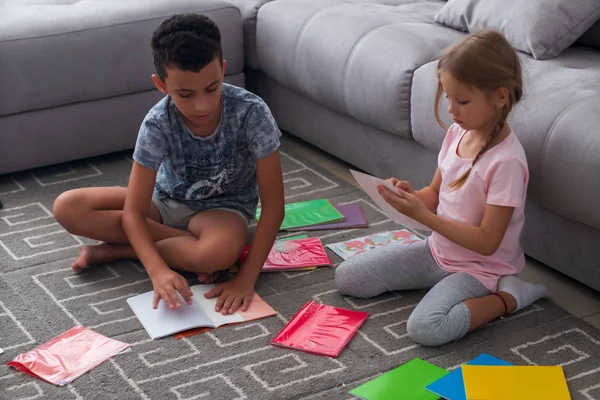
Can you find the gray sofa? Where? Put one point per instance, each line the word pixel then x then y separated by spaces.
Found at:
pixel 357 79
pixel 353 77
pixel 75 76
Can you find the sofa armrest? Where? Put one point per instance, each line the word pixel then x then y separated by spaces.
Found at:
pixel 249 10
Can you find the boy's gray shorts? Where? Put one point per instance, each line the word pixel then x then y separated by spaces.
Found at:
pixel 178 215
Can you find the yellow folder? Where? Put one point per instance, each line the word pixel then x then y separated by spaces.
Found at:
pixel 515 382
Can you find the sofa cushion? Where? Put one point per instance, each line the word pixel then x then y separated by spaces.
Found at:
pixel 56 52
pixel 556 121
pixel 542 28
pixel 249 11
pixel 354 57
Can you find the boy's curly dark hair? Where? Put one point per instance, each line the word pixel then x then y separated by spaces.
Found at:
pixel 187 41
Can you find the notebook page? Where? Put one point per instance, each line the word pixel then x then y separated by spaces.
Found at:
pixel 208 306
pixel 164 322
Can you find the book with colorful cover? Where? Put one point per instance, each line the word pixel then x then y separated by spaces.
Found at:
pixel 352 247
pixel 406 382
pixel 527 382
pixel 320 329
pixel 293 254
pixel 307 213
pixel 201 313
pixel 353 218
pixel 452 386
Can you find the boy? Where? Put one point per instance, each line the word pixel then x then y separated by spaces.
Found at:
pixel 204 155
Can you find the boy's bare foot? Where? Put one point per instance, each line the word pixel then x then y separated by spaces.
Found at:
pixel 99 254
pixel 208 278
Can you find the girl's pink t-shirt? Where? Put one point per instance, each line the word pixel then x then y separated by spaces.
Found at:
pixel 499 177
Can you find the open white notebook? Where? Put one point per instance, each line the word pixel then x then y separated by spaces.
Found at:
pixel 201 313
pixel 369 184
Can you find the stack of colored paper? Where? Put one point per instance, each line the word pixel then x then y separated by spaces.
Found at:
pixel 452 386
pixel 489 378
pixel 483 378
pixel 320 214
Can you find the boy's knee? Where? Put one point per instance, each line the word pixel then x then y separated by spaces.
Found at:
pixel 65 206
pixel 426 329
pixel 211 257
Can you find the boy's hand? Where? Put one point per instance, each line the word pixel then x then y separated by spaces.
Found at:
pixel 233 294
pixel 166 284
pixel 404 185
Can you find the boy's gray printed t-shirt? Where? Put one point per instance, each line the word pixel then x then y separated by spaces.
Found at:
pixel 215 171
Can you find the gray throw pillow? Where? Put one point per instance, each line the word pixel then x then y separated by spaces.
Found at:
pixel 542 28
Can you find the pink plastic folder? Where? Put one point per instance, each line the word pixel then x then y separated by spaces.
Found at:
pixel 320 329
pixel 293 254
pixel 68 356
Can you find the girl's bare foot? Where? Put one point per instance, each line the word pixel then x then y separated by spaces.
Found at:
pixel 208 278
pixel 101 253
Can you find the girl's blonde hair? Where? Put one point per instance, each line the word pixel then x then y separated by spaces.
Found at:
pixel 484 60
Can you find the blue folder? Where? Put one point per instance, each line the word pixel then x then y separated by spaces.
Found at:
pixel 452 386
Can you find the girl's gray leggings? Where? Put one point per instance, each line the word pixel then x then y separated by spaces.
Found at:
pixel 441 316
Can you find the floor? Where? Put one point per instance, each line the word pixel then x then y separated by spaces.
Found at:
pixel 576 298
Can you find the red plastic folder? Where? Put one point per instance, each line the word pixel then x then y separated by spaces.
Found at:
pixel 68 356
pixel 292 254
pixel 320 329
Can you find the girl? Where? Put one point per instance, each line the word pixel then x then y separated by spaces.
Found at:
pixel 474 205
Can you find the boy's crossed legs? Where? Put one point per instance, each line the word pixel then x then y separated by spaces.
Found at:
pixel 213 241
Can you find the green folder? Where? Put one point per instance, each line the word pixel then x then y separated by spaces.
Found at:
pixel 407 382
pixel 307 213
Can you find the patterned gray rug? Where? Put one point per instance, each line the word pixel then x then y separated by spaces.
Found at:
pixel 40 298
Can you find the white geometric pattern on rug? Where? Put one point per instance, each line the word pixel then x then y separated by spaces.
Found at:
pixel 40 297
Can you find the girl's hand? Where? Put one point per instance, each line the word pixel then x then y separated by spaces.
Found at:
pixel 407 203
pixel 404 185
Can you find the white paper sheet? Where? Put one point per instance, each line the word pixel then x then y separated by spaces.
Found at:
pixel 369 184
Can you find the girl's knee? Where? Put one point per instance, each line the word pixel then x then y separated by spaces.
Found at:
pixel 427 329
pixel 348 281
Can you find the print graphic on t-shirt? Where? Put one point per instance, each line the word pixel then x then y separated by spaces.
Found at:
pixel 206 188
pixel 209 173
